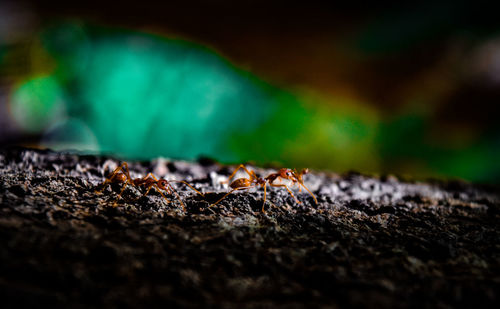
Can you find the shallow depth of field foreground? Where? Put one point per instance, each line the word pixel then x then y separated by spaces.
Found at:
pixel 368 242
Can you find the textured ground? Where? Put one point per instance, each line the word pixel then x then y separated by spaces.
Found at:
pixel 369 242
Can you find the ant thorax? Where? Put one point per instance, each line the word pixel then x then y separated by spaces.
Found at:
pixel 119 177
pixel 260 181
pixel 286 173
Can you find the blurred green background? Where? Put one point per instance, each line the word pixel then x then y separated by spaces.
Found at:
pixel 378 88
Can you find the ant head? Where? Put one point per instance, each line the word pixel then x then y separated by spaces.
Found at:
pixel 162 183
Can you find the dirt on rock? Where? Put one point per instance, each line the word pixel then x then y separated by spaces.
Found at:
pixel 369 242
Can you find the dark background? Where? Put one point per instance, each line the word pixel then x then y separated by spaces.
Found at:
pixel 377 87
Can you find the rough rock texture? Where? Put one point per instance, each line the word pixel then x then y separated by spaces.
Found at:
pixel 369 242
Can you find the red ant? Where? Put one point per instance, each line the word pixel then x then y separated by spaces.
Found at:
pixel 122 175
pixel 294 177
pixel 254 181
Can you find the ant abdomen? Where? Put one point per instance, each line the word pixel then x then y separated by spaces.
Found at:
pixel 240 182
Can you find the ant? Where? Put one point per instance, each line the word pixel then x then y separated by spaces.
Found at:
pixel 294 177
pixel 254 181
pixel 122 175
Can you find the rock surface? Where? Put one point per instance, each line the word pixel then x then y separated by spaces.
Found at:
pixel 370 241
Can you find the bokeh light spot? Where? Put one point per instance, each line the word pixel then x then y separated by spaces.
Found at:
pixel 36 103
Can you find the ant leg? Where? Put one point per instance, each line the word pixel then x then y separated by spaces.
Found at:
pixel 148 186
pixel 123 189
pixel 154 185
pixel 315 200
pixel 187 184
pixel 157 189
pixel 178 197
pixel 108 180
pixel 288 189
pixel 124 169
pixel 120 195
pixel 228 194
pixel 250 173
pixel 142 182
pixel 150 175
pixel 169 188
pixel 298 178
pixel 147 191
pixel 264 203
pixel 121 192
